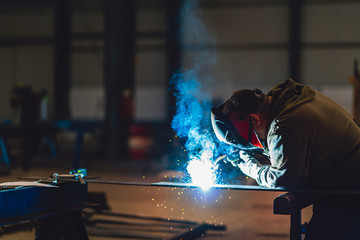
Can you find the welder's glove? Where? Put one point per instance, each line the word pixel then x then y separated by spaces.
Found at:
pixel 233 158
pixel 249 165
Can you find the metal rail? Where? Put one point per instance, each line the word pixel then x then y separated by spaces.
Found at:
pixel 350 191
pixel 319 191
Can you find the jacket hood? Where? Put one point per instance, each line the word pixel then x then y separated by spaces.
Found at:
pixel 288 95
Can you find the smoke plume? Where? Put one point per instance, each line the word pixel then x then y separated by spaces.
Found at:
pixel 193 85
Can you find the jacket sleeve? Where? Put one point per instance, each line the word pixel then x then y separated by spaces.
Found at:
pixel 289 156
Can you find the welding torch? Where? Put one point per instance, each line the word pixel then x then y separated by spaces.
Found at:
pixel 234 156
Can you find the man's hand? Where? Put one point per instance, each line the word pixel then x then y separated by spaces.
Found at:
pixel 233 158
pixel 248 164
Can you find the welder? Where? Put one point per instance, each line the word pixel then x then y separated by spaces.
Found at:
pixel 310 142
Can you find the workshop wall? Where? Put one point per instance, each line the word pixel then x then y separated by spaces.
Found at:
pixel 331 42
pixel 251 49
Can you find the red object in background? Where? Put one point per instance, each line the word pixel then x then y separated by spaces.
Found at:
pixel 140 141
pixel 127 105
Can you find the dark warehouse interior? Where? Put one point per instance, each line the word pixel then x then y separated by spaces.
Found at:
pixel 97 86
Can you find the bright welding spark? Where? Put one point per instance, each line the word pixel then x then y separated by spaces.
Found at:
pixel 202 172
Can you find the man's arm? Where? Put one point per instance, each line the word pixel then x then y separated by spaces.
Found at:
pixel 288 166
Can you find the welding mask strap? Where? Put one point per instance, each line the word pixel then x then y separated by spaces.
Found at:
pixel 250 130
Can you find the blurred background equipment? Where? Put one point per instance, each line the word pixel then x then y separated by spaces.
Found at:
pixel 355 81
pixel 31 129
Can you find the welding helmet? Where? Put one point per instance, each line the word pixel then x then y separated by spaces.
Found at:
pixel 235 129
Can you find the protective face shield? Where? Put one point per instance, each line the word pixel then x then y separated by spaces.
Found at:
pixel 234 129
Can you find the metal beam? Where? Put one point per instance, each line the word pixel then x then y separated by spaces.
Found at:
pixel 240 187
pixel 119 76
pixel 173 49
pixel 62 58
pixel 198 231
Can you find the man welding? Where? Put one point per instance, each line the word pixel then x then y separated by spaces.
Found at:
pixel 310 142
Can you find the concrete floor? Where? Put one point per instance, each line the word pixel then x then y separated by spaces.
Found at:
pixel 246 214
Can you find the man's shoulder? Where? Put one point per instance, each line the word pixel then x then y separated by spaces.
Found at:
pixel 298 121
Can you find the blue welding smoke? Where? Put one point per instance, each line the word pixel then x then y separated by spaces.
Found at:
pixel 193 85
pixel 191 122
